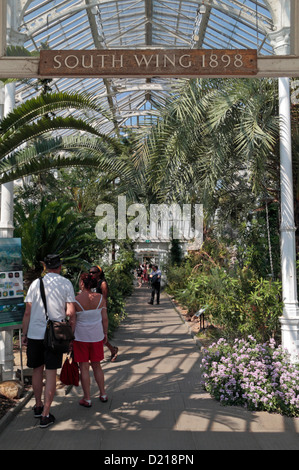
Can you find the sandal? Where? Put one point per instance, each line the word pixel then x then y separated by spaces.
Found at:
pixel 114 354
pixel 85 403
pixel 103 398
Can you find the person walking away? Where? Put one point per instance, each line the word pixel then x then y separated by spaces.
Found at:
pixel 144 276
pixel 155 278
pixel 139 275
pixel 102 288
pixel 60 298
pixel 90 336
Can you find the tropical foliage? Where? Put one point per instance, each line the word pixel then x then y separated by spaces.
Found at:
pixel 216 138
pixel 53 227
pixel 39 117
pixel 237 301
pixel 216 143
pixel 219 141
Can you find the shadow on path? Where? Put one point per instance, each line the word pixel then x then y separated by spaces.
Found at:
pixel 156 401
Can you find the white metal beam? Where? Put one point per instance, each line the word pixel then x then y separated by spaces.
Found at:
pixel 263 23
pixel 295 27
pixel 3 26
pixel 57 15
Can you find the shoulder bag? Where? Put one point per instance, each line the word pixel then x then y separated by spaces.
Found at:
pixel 69 374
pixel 58 335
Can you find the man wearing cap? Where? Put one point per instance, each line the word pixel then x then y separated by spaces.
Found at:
pixel 60 299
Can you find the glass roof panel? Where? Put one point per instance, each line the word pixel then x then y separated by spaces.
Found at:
pixel 113 24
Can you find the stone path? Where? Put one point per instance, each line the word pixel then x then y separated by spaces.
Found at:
pixel 155 400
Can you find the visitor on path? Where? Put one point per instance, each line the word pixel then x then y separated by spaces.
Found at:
pixel 139 275
pixel 144 275
pixel 60 299
pixel 90 336
pixel 102 288
pixel 155 278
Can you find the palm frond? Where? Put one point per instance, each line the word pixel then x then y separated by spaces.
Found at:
pixel 37 107
pixel 63 153
pixel 43 126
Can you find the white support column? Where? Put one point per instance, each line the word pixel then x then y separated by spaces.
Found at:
pixel 13 11
pixel 7 189
pixel 290 319
pixel 6 231
pixel 3 16
pixel 280 40
pixel 7 201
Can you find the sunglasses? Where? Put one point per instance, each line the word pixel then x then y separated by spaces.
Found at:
pixel 93 272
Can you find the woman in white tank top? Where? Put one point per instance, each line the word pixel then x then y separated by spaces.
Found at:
pixel 90 337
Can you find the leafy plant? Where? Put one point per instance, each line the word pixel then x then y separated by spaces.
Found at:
pixel 52 227
pixel 236 300
pixel 257 376
pixel 33 121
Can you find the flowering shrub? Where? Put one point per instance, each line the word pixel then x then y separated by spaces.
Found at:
pixel 257 376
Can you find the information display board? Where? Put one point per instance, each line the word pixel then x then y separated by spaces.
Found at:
pixel 12 305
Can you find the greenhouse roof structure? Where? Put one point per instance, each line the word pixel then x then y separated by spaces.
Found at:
pixel 135 24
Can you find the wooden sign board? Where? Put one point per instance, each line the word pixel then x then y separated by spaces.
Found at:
pixel 148 63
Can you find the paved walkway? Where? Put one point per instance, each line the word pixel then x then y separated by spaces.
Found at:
pixel 155 400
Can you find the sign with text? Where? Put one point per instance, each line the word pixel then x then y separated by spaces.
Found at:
pixel 11 283
pixel 148 63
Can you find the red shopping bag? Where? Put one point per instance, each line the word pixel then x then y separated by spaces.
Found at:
pixel 69 374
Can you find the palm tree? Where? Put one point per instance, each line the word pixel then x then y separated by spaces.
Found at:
pixel 216 144
pixel 53 227
pixel 211 131
pixel 26 146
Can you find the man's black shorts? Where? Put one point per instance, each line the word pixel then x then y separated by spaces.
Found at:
pixel 37 355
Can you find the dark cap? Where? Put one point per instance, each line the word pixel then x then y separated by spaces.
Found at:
pixel 52 261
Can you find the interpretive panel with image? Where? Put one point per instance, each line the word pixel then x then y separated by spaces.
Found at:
pixel 11 283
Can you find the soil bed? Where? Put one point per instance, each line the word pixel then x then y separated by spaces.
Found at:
pixel 7 404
